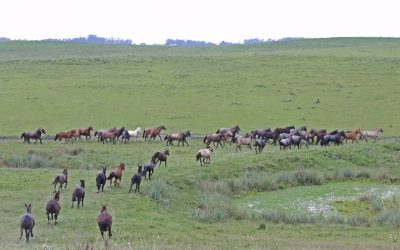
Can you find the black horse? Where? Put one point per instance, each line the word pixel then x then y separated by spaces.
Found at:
pixel 335 138
pixel 79 194
pixel 33 135
pixel 256 133
pixel 125 136
pixel 101 180
pixel 148 167
pixel 259 145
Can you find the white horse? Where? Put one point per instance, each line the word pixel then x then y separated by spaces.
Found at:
pixel 135 133
pixel 371 133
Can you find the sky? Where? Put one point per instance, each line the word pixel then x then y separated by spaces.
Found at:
pixel 154 21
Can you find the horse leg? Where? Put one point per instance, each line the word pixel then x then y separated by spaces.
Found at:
pixel 55 218
pixel 109 231
pixel 102 233
pixel 165 163
pixel 22 230
pixel 27 234
pixel 130 189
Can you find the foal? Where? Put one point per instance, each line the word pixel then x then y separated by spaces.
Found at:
pixel 203 155
pixel 79 194
pixel 27 222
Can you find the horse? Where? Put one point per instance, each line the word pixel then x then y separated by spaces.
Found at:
pixel 285 143
pixel 61 179
pixel 298 140
pixel 203 155
pixel 371 134
pixel 85 132
pixel 27 222
pixel 66 135
pixel 243 140
pixel 270 135
pixel 112 136
pixel 259 145
pixel 160 156
pixel 136 179
pixel 117 174
pixel 234 130
pixel 101 180
pixel 256 133
pixel 33 135
pixel 214 138
pixel 53 208
pixel 98 133
pixel 153 132
pixel 79 194
pixel 104 221
pixel 125 136
pixel 352 135
pixel 120 131
pixel 335 138
pixel 148 167
pixel 135 133
pixel 180 137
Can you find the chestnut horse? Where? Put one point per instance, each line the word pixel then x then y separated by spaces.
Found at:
pixel 104 220
pixel 85 132
pixel 33 135
pixel 61 179
pixel 160 156
pixel 27 222
pixel 153 132
pixel 352 135
pixel 117 174
pixel 180 137
pixel 53 208
pixel 66 135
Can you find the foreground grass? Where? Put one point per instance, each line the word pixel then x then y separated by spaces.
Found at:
pixel 142 222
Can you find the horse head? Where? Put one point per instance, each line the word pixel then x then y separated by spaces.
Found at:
pixel 103 208
pixel 65 171
pixel 166 151
pixel 162 127
pixel 188 133
pixel 90 128
pixel 28 208
pixel 82 183
pixel 57 196
pixel 121 166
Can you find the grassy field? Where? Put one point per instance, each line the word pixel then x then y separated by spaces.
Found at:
pixel 241 200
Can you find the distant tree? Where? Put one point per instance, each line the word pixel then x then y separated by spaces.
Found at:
pixel 180 42
pixel 4 39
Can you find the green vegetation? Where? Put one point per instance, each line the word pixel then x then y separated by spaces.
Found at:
pixel 241 200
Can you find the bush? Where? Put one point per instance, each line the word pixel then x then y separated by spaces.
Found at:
pixel 159 192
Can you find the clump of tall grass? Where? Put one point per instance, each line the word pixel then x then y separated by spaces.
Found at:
pixel 389 217
pixel 33 160
pixel 159 191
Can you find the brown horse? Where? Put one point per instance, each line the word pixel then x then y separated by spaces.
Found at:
pixel 66 135
pixel 61 179
pixel 112 136
pixel 180 137
pixel 27 222
pixel 160 156
pixel 214 138
pixel 53 208
pixel 104 220
pixel 85 132
pixel 153 132
pixel 117 174
pixel 352 135
pixel 100 131
pixel 33 135
pixel 79 194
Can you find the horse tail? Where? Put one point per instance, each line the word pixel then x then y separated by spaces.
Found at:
pixel 23 135
pixel 56 180
pixel 217 131
pixel 198 156
pixel 111 176
pixel 56 137
pixel 154 157
pixel 95 133
pixel 205 138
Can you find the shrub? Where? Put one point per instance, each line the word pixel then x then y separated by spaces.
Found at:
pixel 159 192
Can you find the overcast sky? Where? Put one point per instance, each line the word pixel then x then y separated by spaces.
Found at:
pixel 153 21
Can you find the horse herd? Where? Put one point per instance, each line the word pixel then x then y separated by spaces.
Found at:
pixel 287 137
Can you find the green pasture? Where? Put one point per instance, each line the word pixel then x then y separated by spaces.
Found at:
pixel 329 83
pixel 242 200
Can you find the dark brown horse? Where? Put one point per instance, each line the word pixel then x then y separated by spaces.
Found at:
pixel 104 220
pixel 27 222
pixel 160 156
pixel 148 167
pixel 61 179
pixel 79 194
pixel 53 208
pixel 100 131
pixel 66 135
pixel 117 174
pixel 149 133
pixel 101 180
pixel 136 179
pixel 85 132
pixel 234 130
pixel 33 135
pixel 215 138
pixel 112 136
pixel 180 137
